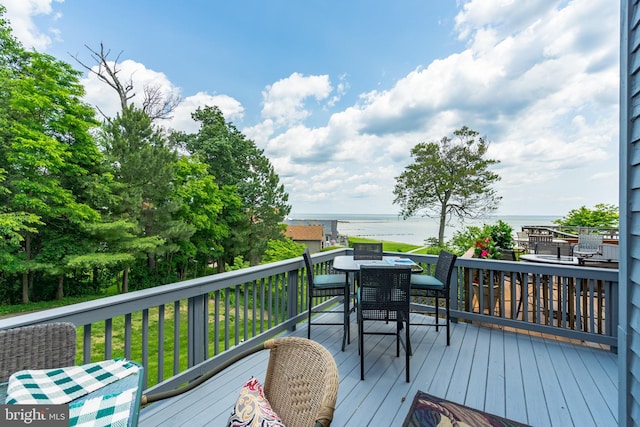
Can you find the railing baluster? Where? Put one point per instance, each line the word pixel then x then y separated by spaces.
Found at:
pixel 262 304
pixel 216 323
pixel 127 336
pixel 145 344
pixel 227 311
pixel 160 343
pixel 86 344
pixel 236 334
pixel 108 338
pixel 254 317
pixel 205 326
pixel 270 305
pixel 176 337
pixel 246 311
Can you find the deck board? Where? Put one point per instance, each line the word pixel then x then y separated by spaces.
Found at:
pixel 524 377
pixel 495 390
pixel 513 379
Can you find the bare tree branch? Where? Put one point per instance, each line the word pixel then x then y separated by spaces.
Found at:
pixel 158 105
pixel 155 104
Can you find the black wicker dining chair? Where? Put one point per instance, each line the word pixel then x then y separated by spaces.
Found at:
pixel 327 285
pixel 436 286
pixel 384 295
pixel 367 251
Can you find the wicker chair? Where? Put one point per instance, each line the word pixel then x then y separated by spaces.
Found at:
pixel 327 285
pixel 301 382
pixel 588 245
pixel 384 295
pixel 436 286
pixel 48 346
pixel 370 251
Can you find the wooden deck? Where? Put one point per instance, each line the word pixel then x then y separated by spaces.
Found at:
pixel 542 382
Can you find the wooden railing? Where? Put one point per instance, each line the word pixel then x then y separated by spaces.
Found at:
pixel 181 330
pixel 570 231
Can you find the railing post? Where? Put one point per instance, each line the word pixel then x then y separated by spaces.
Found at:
pixel 454 303
pixel 197 332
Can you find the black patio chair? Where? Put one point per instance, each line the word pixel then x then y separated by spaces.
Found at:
pixel 327 285
pixel 367 251
pixel 384 295
pixel 436 286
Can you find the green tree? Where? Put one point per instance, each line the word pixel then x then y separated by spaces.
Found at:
pixel 235 161
pixel 117 245
pixel 602 215
pixel 46 151
pixel 203 206
pixel 447 179
pixel 144 169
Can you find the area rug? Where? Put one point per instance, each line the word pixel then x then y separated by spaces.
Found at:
pixel 431 411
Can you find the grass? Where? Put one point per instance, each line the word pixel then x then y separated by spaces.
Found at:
pixel 15 309
pixel 118 342
pixel 396 246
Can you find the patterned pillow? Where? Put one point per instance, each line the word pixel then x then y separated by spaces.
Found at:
pixel 253 409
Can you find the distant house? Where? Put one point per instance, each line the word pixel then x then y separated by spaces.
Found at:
pixel 329 228
pixel 310 235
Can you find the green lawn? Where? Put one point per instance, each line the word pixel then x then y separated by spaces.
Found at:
pixel 396 246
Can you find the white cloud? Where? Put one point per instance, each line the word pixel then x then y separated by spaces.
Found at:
pixel 20 13
pixel 284 100
pixel 181 117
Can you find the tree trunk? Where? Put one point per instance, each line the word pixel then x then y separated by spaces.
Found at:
pixel 25 287
pixel 219 262
pixel 125 280
pixel 441 227
pixel 60 291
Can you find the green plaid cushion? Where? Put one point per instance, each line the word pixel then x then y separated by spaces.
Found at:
pixel 63 385
pixel 105 411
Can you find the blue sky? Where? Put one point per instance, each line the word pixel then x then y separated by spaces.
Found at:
pixel 337 92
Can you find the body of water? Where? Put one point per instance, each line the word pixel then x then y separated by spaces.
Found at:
pixel 414 230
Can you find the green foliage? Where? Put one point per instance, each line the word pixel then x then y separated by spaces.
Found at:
pixel 49 166
pixel 238 264
pixel 485 240
pixel 449 178
pixel 502 234
pixel 601 215
pixel 237 162
pixel 278 250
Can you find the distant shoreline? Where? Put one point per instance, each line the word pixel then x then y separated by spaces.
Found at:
pixel 413 230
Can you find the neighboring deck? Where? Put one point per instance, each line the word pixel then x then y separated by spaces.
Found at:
pixel 542 382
